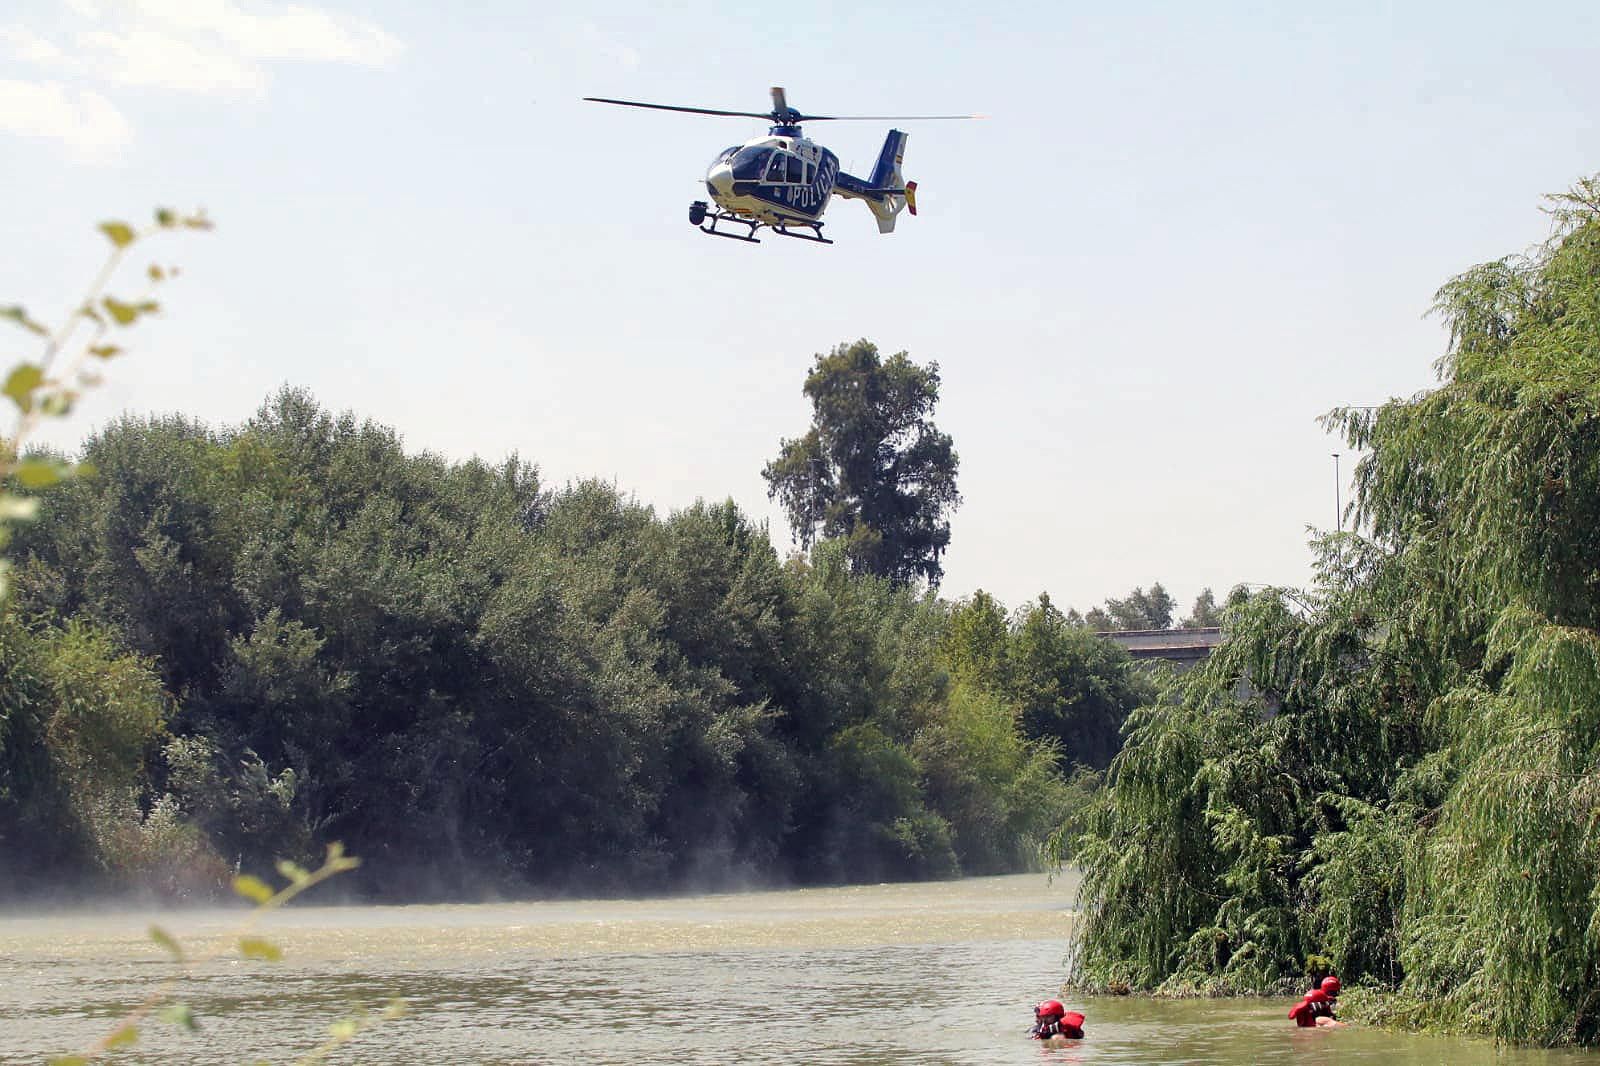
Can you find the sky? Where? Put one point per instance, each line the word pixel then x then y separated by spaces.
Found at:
pixel 1181 234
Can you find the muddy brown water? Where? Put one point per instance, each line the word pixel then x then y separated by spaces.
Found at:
pixel 928 973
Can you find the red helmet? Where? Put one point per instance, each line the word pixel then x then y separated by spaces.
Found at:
pixel 1330 985
pixel 1050 1008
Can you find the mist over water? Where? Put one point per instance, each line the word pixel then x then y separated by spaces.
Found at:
pixel 945 971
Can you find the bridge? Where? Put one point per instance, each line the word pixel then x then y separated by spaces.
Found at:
pixel 1183 647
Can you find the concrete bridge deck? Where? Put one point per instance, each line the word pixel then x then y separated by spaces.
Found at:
pixel 1185 647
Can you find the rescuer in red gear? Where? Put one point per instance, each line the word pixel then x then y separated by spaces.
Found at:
pixel 1317 1008
pixel 1301 1013
pixel 1053 1022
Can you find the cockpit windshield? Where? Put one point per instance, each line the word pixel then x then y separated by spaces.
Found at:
pixel 750 164
pixel 726 154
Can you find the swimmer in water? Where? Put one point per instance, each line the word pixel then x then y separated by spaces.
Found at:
pixel 1055 1024
pixel 1316 1010
pixel 1324 1008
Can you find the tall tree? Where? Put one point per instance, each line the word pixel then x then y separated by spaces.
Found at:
pixel 873 469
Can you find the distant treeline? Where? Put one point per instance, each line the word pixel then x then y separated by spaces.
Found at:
pixel 231 646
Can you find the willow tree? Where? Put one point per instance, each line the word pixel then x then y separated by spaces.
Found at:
pixel 873 469
pixel 1412 794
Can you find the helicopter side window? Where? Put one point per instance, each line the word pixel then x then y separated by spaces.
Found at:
pixel 785 169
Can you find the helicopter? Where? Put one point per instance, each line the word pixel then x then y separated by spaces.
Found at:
pixel 783 181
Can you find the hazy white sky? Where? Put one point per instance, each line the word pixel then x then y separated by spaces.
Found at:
pixel 1184 232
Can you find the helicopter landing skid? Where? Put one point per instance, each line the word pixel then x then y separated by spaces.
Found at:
pixel 706 221
pixel 815 235
pixel 722 216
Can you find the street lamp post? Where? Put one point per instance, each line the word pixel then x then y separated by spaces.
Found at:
pixel 1338 509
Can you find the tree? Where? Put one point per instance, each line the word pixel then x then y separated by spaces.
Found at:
pixel 480 682
pixel 1137 610
pixel 1072 687
pixel 976 644
pixel 1418 807
pixel 1205 613
pixel 873 469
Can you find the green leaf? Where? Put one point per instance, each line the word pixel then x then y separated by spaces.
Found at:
pixel 105 351
pixel 167 940
pixel 38 473
pixel 20 317
pixel 293 871
pixel 166 216
pixel 253 947
pixel 121 233
pixel 123 314
pixel 155 273
pixel 88 311
pixel 21 382
pixel 197 221
pixel 14 508
pixel 180 1015
pixel 128 1034
pixel 252 888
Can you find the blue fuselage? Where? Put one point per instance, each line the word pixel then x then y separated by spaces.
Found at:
pixel 776 179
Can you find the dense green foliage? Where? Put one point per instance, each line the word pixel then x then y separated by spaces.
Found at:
pixel 1068 686
pixel 234 645
pixel 1409 784
pixel 873 471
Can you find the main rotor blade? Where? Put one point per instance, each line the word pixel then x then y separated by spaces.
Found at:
pixel 690 110
pixel 883 118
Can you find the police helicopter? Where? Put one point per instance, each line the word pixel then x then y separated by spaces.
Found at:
pixel 784 181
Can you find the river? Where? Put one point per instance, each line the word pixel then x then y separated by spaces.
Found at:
pixel 934 973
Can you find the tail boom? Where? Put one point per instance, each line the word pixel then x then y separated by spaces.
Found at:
pixel 886 192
